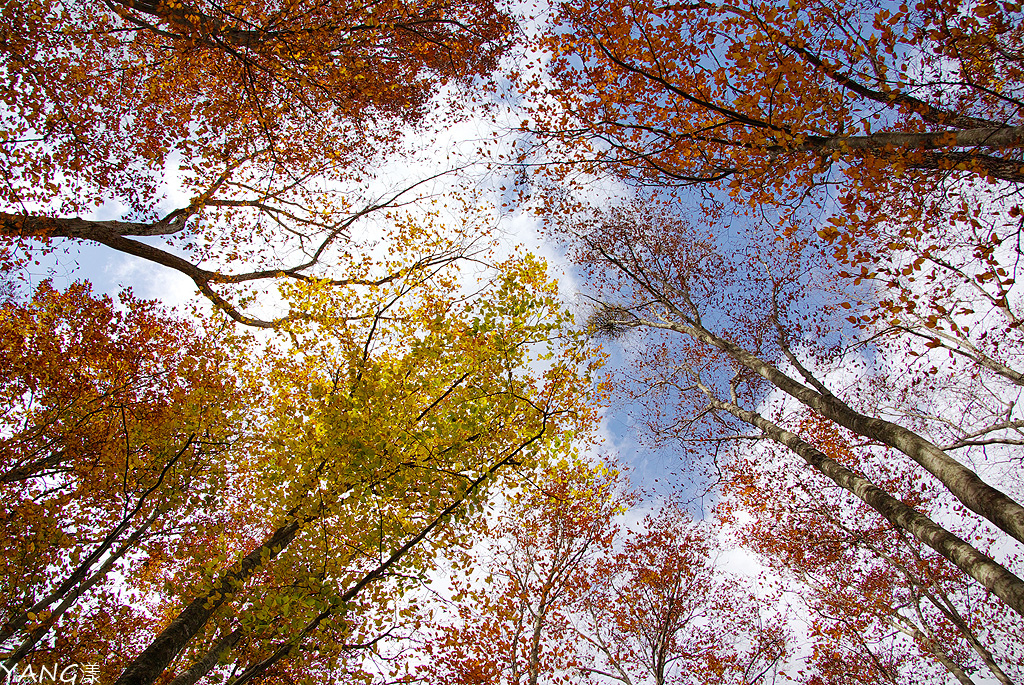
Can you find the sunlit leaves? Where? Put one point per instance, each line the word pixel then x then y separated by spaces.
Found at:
pixel 119 428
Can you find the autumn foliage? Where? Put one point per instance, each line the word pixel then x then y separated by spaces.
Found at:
pixel 196 500
pixel 239 134
pixel 889 136
pixel 797 224
pixel 517 627
pixel 100 98
pixel 882 608
pixel 118 429
pixel 571 595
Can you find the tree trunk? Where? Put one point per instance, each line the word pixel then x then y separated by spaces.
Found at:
pixel 199 669
pixel 962 482
pixel 986 571
pixel 148 666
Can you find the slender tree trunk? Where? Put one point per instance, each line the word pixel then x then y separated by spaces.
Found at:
pixel 539 623
pixel 986 571
pixel 17 622
pixel 962 482
pixel 70 598
pixel 148 666
pixel 937 652
pixel 219 650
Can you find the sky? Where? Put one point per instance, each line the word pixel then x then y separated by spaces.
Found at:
pixel 655 470
pixel 506 212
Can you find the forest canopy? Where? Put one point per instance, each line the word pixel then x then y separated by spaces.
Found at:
pixel 754 420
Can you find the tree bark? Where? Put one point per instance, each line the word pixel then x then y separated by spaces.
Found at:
pixel 32 226
pixel 962 482
pixel 1001 136
pixel 148 666
pixel 983 569
pixel 199 669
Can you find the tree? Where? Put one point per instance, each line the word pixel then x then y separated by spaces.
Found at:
pixel 118 425
pixel 265 114
pixel 684 287
pixel 811 138
pixel 417 410
pixel 889 135
pixel 517 627
pixel 569 595
pixel 387 415
pixel 881 606
pixel 662 610
pixel 764 99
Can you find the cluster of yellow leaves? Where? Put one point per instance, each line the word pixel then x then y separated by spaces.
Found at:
pixel 376 424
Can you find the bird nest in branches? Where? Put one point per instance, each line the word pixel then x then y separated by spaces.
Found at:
pixel 611 321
